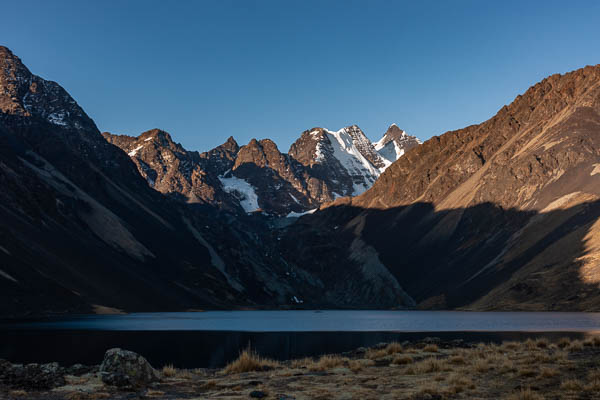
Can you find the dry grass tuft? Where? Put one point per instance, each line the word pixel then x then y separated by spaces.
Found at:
pixel 481 365
pixel 527 372
pixel 249 361
pixel 592 386
pixel 403 360
pixel 185 374
pixel 506 366
pixel 564 342
pixel 17 393
pixel 169 370
pixel 429 365
pixel 356 365
pixel 394 348
pixel 510 345
pixel 593 375
pixel 328 362
pixel 429 390
pixel 530 344
pixel 571 385
pixel 546 372
pixel 375 354
pixel 460 383
pixel 208 385
pixel 542 343
pixel 301 362
pixel 525 394
pixel 575 345
pixel 431 348
pixel 457 360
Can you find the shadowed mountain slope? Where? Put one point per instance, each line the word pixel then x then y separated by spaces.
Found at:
pixel 80 227
pixel 500 215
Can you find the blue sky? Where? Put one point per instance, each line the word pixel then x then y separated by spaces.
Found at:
pixel 205 70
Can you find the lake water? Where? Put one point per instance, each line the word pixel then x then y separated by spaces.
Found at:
pixel 213 338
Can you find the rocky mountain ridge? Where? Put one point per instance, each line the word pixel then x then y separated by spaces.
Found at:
pixel 82 231
pixel 320 166
pixel 500 215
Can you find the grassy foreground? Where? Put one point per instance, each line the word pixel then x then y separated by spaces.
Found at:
pixel 530 370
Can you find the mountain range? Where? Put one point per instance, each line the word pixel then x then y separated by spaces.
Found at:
pixel 319 167
pixel 500 215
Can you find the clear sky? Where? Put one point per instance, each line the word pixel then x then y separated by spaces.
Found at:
pixel 205 70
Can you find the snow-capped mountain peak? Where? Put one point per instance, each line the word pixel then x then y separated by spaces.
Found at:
pixel 394 143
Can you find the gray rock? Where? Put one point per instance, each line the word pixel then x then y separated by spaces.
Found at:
pixel 123 368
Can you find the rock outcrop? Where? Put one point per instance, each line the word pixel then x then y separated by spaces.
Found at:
pixel 319 167
pixel 31 376
pixel 124 368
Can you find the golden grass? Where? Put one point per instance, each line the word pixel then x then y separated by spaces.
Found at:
pixel 249 361
pixel 402 359
pixel 355 365
pixel 376 354
pixel 593 386
pixel 429 365
pixel 527 372
pixel 394 348
pixel 301 362
pixel 575 345
pixel 481 365
pixel 457 360
pixel 327 362
pixel 184 374
pixel 571 385
pixel 593 375
pixel 460 383
pixel 546 372
pixel 208 385
pixel 509 346
pixel 431 348
pixel 17 393
pixel 169 370
pixel 563 342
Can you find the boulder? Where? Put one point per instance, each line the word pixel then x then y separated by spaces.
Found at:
pixel 124 368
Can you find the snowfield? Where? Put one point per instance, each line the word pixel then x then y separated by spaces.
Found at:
pixel 346 152
pixel 245 191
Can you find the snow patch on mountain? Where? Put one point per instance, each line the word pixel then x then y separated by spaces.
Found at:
pixel 391 152
pixel 133 152
pixel 243 190
pixel 394 144
pixel 294 214
pixel 345 150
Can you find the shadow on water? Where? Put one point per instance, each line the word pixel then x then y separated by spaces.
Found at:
pixel 212 349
